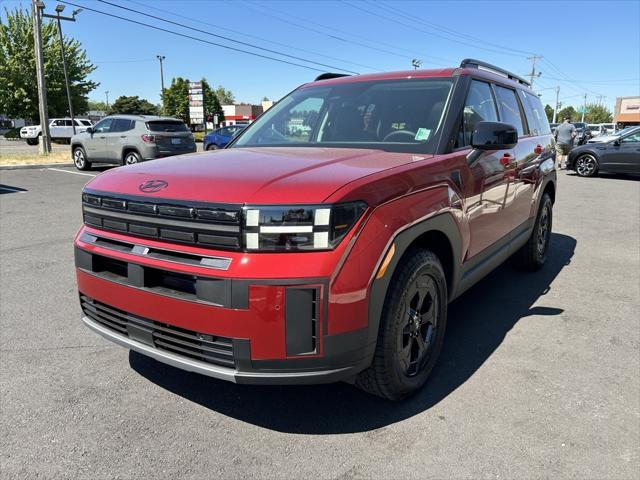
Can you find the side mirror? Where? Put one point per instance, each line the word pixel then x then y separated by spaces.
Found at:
pixel 89 130
pixel 494 136
pixel 616 142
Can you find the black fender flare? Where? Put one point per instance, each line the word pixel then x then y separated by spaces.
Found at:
pixel 443 223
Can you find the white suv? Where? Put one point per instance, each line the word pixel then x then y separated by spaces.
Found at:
pixel 59 129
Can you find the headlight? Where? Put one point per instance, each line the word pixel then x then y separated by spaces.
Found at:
pixel 299 227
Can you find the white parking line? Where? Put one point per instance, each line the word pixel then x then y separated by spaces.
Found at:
pixel 74 173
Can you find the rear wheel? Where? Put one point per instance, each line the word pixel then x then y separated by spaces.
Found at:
pixel 131 158
pixel 213 146
pixel 533 254
pixel 80 159
pixel 586 165
pixel 411 328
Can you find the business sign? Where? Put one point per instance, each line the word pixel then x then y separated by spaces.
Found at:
pixel 196 102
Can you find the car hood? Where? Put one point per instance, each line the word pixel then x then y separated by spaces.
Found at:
pixel 253 175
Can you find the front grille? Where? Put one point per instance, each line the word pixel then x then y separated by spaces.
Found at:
pixel 192 223
pixel 187 343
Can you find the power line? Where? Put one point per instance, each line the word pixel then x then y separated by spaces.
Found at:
pixel 334 36
pixel 229 39
pixel 184 35
pixel 449 31
pixel 155 7
pixel 387 18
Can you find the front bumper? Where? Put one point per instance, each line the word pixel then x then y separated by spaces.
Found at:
pixel 159 303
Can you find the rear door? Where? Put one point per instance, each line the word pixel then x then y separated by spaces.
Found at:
pixel 625 157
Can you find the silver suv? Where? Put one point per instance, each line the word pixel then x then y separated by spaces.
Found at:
pixel 129 139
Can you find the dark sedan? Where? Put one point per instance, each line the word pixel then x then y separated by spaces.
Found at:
pixel 220 137
pixel 621 155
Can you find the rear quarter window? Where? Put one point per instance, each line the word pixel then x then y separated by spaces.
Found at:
pixel 534 111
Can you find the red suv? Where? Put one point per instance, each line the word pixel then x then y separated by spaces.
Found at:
pixel 325 242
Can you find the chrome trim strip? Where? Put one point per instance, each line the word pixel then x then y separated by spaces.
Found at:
pixel 146 251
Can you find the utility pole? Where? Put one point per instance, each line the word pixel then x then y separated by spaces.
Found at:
pixel 106 93
pixel 161 59
pixel 555 110
pixel 44 147
pixel 584 107
pixel 600 98
pixel 415 63
pixel 533 73
pixel 59 10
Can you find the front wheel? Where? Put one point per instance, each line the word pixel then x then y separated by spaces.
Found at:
pixel 586 165
pixel 32 141
pixel 213 146
pixel 80 159
pixel 411 328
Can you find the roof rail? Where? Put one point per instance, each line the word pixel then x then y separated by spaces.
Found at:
pixel 327 76
pixel 479 64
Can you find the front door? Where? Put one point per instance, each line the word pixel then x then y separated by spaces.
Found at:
pixel 95 143
pixel 626 155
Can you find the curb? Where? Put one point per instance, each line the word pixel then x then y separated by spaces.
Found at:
pixel 35 165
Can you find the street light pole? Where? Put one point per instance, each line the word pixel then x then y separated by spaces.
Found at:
pixel 106 92
pixel 59 10
pixel 45 142
pixel 161 59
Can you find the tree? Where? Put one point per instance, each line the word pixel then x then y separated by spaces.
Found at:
pixel 18 86
pixel 176 100
pixel 134 105
pixel 598 114
pixel 226 97
pixel 549 111
pixel 568 112
pixel 97 105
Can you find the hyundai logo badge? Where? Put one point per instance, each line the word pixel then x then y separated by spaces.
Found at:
pixel 152 186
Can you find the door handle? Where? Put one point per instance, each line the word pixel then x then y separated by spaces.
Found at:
pixel 123 136
pixel 101 137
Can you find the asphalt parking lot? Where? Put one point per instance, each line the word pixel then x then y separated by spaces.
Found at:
pixel 539 376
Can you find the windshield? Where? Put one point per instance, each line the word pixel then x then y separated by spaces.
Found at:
pixel 167 126
pixel 398 115
pixel 579 125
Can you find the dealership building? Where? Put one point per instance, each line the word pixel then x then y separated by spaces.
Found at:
pixel 627 112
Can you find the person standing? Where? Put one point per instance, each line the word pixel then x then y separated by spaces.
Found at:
pixel 564 135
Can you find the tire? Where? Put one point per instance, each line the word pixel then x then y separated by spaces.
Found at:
pixel 213 146
pixel 32 141
pixel 80 159
pixel 411 330
pixel 131 158
pixel 533 254
pixel 586 165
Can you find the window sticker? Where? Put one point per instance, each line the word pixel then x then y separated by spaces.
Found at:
pixel 423 134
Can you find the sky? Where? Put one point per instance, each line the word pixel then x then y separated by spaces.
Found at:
pixel 590 47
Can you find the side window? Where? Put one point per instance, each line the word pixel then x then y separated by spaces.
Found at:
pixel 57 123
pixel 68 123
pixel 226 131
pixel 103 126
pixel 479 107
pixel 121 125
pixel 534 111
pixel 509 109
pixel 631 138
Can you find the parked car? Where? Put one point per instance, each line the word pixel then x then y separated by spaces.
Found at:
pixel 613 136
pixel 220 137
pixel 620 155
pixel 129 139
pixel 288 258
pixel 609 127
pixel 59 129
pixel 597 129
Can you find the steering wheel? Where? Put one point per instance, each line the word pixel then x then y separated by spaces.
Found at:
pixel 399 132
